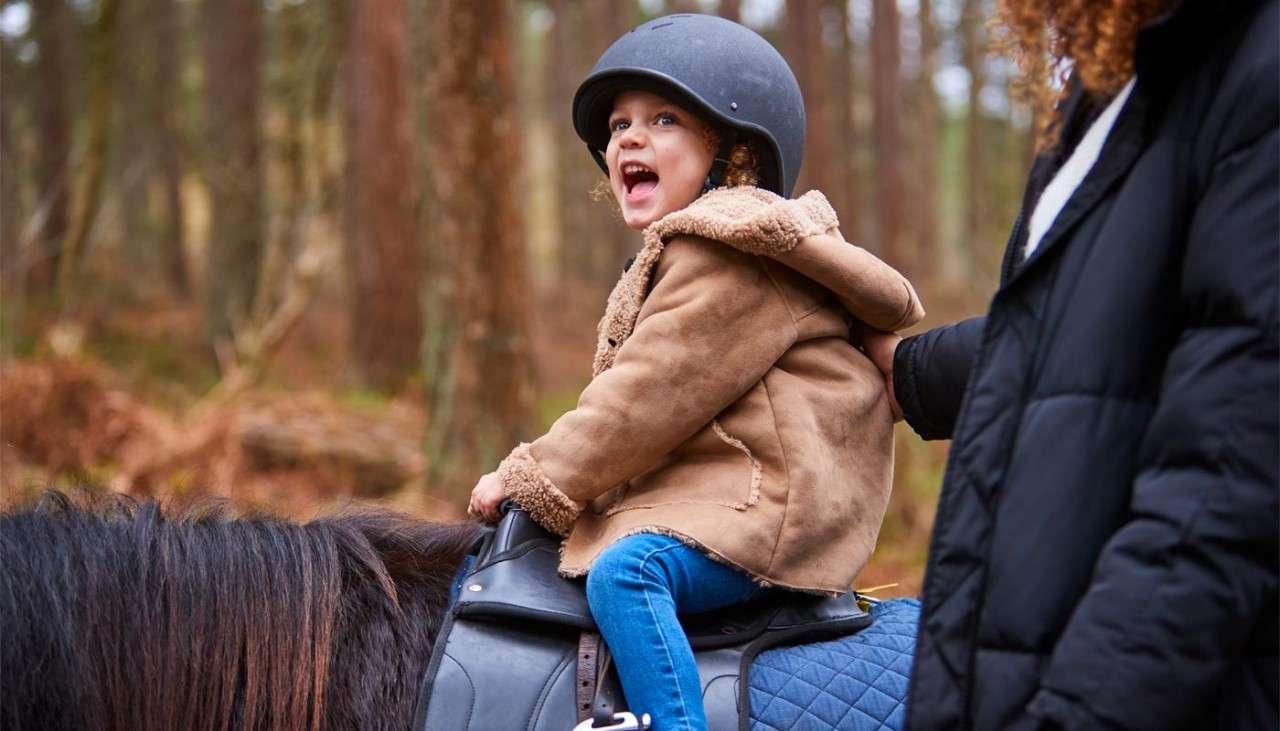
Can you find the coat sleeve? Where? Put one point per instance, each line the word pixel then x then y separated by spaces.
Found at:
pixel 930 372
pixel 1186 589
pixel 711 327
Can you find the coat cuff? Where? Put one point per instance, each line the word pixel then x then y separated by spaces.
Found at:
pixel 524 481
pixel 906 390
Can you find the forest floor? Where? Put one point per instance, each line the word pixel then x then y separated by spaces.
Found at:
pixel 125 407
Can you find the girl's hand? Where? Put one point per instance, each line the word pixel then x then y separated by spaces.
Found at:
pixel 486 496
pixel 880 347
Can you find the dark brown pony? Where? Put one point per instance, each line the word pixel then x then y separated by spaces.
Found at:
pixel 115 615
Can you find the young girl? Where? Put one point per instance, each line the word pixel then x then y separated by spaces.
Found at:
pixel 732 439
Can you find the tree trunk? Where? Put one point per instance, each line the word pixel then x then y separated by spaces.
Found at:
pixel 166 34
pixel 845 149
pixel 973 44
pixel 322 116
pixel 805 49
pixel 1017 160
pixel 233 166
pixel 610 242
pixel 294 32
pixel 11 171
pixel 50 24
pixel 886 120
pixel 730 9
pixel 929 131
pixel 862 161
pixel 134 137
pixel 593 242
pixel 102 63
pixel 571 190
pixel 383 248
pixel 480 391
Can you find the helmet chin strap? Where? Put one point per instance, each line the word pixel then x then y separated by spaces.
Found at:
pixel 598 156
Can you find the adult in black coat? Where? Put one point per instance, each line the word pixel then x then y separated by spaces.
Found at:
pixel 1105 549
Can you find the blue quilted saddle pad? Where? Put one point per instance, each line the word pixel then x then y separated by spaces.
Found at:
pixel 857 682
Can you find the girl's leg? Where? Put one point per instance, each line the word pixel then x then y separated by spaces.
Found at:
pixel 636 588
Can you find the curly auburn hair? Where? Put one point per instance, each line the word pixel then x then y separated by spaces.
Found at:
pixel 744 164
pixel 1098 38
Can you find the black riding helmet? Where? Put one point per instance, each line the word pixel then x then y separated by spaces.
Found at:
pixel 723 71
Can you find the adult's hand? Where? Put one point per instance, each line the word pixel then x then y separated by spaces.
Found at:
pixel 880 347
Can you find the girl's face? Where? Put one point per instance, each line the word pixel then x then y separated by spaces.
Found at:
pixel 658 157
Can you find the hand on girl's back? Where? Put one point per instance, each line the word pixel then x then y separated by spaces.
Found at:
pixel 879 347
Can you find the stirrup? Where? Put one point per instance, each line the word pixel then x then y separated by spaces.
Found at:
pixel 624 721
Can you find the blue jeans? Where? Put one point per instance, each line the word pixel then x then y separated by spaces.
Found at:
pixel 636 588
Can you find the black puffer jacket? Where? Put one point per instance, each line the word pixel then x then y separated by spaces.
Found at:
pixel 1105 551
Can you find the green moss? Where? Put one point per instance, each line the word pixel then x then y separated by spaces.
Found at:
pixel 368 400
pixel 156 369
pixel 19 328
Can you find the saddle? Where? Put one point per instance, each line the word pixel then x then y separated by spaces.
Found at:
pixel 518 648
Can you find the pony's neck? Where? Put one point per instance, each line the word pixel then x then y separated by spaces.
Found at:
pixel 380 658
pixel 142 620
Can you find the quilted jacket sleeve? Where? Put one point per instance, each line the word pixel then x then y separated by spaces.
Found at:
pixel 1183 590
pixel 711 327
pixel 930 372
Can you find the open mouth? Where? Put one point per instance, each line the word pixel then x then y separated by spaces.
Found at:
pixel 638 180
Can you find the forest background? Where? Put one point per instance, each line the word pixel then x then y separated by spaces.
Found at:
pixel 298 253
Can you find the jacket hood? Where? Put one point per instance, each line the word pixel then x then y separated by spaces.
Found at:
pixel 802 234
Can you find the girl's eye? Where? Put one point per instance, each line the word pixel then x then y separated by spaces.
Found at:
pixel 618 125
pixel 666 119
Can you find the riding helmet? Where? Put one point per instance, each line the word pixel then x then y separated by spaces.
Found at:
pixel 714 67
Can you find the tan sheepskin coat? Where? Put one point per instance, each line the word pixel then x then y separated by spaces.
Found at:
pixel 728 408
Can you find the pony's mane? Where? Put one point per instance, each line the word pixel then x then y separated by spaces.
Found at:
pixel 125 615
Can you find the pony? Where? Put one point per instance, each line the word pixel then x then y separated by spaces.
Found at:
pixel 118 614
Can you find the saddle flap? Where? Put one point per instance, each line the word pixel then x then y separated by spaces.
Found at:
pixel 521 583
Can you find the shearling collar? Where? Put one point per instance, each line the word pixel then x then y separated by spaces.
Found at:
pixel 750 219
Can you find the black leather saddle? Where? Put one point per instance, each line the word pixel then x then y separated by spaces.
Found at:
pixel 518 648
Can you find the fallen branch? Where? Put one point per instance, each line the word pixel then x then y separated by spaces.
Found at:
pixel 244 361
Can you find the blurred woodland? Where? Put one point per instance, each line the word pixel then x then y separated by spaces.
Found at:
pixel 300 252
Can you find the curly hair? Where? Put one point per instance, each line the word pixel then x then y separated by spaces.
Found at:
pixel 1098 39
pixel 744 164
